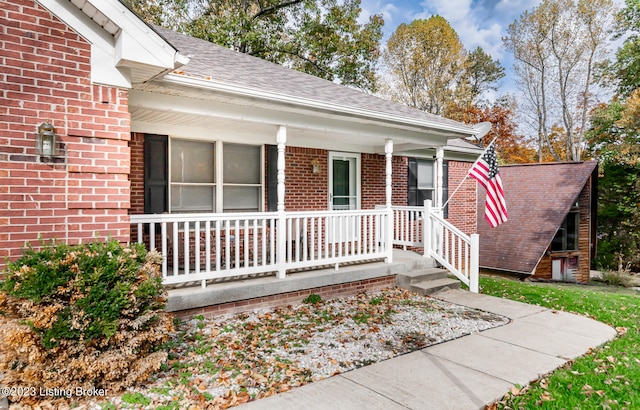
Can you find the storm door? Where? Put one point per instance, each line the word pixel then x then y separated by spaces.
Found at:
pixel 344 181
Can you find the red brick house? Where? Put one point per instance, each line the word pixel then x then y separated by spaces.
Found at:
pixel 551 232
pixel 160 137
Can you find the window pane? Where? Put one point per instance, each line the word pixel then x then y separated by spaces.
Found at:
pixel 425 174
pixel 572 231
pixel 192 198
pixel 241 199
pixel 192 161
pixel 241 164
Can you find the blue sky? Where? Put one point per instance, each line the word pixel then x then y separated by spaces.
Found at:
pixel 478 23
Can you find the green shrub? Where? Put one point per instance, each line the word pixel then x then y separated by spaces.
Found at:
pixel 312 299
pixel 87 316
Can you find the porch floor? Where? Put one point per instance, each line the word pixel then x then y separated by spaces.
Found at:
pixel 267 285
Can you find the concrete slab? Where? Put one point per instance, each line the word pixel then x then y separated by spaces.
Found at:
pixel 335 393
pixel 465 373
pixel 544 339
pixel 514 364
pixel 420 380
pixel 574 324
pixel 504 307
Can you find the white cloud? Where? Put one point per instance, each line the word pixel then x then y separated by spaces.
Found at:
pixel 389 12
pixel 476 24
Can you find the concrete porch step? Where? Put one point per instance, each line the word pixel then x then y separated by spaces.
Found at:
pixel 426 281
pixel 429 287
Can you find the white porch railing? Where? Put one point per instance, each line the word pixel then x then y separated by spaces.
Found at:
pixel 201 247
pixel 424 227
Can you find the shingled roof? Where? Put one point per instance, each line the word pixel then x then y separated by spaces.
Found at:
pixel 539 197
pixel 221 65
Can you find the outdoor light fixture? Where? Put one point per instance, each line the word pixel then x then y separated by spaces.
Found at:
pixel 46 140
pixel 315 166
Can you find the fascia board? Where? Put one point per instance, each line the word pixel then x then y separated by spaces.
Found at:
pixel 136 42
pixel 246 92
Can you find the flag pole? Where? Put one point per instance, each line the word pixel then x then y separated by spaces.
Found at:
pixel 468 172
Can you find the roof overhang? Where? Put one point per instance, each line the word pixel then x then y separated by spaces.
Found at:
pixel 124 50
pixel 194 107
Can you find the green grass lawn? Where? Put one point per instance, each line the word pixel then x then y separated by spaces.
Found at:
pixel 607 377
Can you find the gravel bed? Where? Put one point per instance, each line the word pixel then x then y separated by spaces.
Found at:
pixel 229 360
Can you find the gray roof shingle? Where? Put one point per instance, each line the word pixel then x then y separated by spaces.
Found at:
pixel 219 64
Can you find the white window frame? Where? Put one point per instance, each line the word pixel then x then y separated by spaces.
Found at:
pixel 358 175
pixel 219 173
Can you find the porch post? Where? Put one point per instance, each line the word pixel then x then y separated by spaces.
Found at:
pixel 439 177
pixel 426 228
pixel 281 244
pixel 474 271
pixel 388 150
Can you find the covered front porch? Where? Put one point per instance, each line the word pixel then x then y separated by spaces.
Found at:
pixel 217 259
pixel 272 172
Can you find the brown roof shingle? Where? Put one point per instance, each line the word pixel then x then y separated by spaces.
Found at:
pixel 539 197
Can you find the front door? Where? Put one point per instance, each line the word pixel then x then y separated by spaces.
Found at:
pixel 344 181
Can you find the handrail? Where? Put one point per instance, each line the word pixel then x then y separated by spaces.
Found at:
pixel 451 247
pixel 424 227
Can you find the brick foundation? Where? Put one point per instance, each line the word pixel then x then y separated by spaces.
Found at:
pixel 291 298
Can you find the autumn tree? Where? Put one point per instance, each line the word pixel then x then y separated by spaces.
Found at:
pixel 511 146
pixel 324 38
pixel 614 139
pixel 625 70
pixel 556 47
pixel 428 68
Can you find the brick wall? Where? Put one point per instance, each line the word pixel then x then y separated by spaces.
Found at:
pixel 308 191
pixel 305 190
pixel 291 298
pixel 462 205
pixel 82 194
pixel 137 173
pixel 373 181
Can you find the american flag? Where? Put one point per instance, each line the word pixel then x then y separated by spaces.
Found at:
pixel 485 171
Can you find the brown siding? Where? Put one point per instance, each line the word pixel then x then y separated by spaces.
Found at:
pixel 543 270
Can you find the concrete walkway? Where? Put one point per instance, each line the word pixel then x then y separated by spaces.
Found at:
pixel 466 373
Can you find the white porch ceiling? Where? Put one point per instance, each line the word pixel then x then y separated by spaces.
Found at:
pixel 219 117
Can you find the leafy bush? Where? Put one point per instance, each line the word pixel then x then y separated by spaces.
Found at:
pixel 312 299
pixel 87 316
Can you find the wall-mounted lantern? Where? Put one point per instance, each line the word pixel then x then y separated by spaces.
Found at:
pixel 46 140
pixel 315 166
